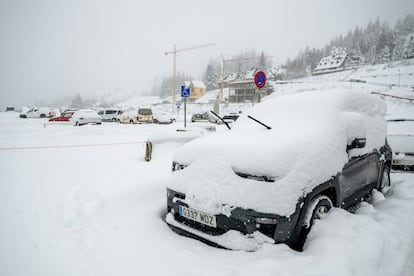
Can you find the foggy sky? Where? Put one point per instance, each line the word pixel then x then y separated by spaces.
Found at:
pixel 53 48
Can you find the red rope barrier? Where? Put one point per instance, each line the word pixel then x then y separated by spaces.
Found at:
pixel 72 146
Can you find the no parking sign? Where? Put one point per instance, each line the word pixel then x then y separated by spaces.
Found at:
pixel 260 79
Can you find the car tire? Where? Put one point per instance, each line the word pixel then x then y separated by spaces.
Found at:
pixel 77 123
pixel 23 116
pixel 385 184
pixel 113 120
pixel 131 121
pixel 42 115
pixel 317 208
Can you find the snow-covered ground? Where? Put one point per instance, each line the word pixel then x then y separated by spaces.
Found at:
pixel 83 201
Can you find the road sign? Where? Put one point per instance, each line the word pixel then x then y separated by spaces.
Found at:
pixel 178 104
pixel 260 79
pixel 185 91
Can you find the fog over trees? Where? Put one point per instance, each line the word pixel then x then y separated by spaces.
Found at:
pixel 376 43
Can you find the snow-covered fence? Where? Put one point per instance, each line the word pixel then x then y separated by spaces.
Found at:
pixel 393 96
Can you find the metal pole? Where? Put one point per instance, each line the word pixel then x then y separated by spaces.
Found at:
pixel 174 80
pixel 185 112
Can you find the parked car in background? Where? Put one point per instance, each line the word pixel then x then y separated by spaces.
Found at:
pixel 136 116
pixel 231 118
pixel 64 116
pixel 69 110
pixel 38 112
pixel 85 116
pixel 401 139
pixel 145 115
pixel 10 108
pixel 205 117
pixel 128 117
pixel 280 168
pixel 163 118
pixel 110 114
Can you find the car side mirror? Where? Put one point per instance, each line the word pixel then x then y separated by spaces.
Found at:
pixel 357 143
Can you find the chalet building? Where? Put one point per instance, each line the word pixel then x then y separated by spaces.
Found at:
pixel 337 61
pixel 245 90
pixel 197 89
pixel 330 64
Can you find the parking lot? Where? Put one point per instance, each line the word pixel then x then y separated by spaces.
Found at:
pixel 83 201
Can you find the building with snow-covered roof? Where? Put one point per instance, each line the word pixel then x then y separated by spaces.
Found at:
pixel 332 63
pixel 338 60
pixel 197 89
pixel 241 87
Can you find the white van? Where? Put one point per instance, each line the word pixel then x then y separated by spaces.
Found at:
pixel 110 114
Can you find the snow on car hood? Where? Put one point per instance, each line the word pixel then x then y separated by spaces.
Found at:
pixel 305 147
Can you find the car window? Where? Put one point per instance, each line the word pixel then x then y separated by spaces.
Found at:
pixel 401 143
pixel 145 111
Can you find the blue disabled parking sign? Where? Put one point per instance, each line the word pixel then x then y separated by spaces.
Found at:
pixel 185 91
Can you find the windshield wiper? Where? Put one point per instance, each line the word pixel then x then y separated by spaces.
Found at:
pixel 257 121
pixel 221 119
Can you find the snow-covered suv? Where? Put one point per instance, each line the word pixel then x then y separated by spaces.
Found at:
pixel 281 166
pixel 38 112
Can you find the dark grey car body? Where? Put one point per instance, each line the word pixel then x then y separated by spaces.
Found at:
pixel 358 178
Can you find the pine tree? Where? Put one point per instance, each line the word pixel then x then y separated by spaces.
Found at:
pixel 407 26
pixel 262 62
pixel 397 53
pixel 77 102
pixel 385 55
pixel 211 77
pixel 408 51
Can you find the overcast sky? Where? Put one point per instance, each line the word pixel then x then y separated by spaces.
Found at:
pixel 53 48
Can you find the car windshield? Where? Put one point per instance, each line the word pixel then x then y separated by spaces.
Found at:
pixel 145 111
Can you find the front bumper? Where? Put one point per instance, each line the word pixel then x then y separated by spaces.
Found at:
pixel 238 230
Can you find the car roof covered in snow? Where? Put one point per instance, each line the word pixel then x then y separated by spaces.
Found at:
pixel 305 147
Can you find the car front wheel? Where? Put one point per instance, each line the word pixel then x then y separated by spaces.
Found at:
pixel 317 209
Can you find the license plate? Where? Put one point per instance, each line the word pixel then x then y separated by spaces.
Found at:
pixel 198 216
